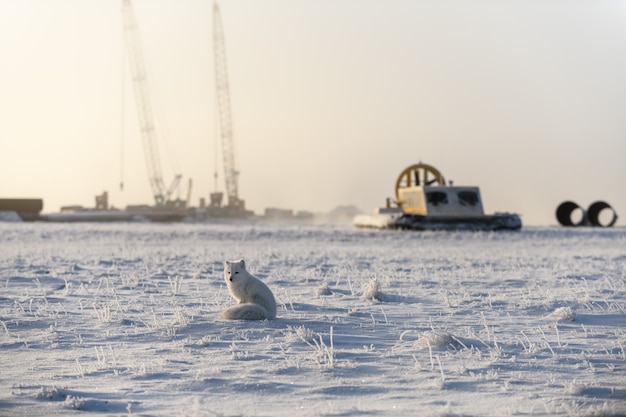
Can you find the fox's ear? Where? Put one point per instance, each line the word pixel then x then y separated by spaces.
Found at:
pixel 225 264
pixel 243 263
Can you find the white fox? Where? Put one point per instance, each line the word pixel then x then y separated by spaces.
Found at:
pixel 256 301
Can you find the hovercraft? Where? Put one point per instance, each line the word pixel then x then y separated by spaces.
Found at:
pixel 424 201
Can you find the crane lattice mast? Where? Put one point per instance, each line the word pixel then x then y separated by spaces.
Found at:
pixel 139 75
pixel 231 173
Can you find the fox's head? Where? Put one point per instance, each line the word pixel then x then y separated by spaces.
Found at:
pixel 232 268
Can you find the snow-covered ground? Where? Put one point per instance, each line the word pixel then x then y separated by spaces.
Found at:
pixel 123 319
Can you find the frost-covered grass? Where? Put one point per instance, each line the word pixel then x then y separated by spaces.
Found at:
pixel 123 319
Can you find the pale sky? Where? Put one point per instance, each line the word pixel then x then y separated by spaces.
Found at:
pixel 331 100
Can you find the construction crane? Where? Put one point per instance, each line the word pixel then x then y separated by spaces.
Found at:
pixel 231 173
pixel 162 194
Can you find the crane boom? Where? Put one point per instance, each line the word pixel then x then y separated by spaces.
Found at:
pixel 231 173
pixel 139 75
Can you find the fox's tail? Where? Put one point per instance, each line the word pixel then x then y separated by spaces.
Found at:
pixel 247 311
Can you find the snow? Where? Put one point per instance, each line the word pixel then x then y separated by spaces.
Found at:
pixel 123 319
pixel 9 216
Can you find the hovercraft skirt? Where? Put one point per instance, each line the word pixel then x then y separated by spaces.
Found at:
pixel 498 221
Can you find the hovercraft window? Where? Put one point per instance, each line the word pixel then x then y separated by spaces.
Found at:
pixel 436 198
pixel 468 198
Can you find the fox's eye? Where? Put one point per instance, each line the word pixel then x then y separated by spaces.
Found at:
pixel 236 272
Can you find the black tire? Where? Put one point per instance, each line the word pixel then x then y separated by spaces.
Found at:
pixel 564 214
pixel 593 214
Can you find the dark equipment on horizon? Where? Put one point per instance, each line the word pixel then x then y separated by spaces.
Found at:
pixel 27 208
pixel 569 214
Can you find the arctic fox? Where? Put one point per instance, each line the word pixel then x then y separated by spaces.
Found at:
pixel 256 301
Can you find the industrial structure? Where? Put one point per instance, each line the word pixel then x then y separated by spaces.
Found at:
pixel 26 209
pixel 166 206
pixel 162 194
pixel 234 207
